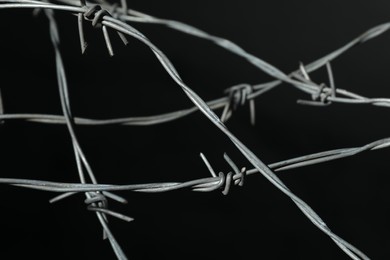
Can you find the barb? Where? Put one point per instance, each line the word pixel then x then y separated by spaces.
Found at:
pixel 96 14
pixel 238 96
pixel 80 25
pixel 224 181
pixel 331 79
pixel 98 202
pixel 324 95
pixel 305 74
pixel 97 196
pixel 239 175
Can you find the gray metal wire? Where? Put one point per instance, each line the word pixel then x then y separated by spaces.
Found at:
pixel 112 17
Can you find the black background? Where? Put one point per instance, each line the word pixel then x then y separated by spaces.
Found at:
pixel 254 221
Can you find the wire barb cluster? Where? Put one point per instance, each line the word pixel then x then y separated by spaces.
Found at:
pixel 96 14
pixel 225 181
pixel 238 96
pixel 321 96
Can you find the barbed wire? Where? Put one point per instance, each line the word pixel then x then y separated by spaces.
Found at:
pixel 289 164
pixel 112 17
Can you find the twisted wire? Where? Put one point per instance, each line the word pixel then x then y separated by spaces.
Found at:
pixel 97 202
pixel 321 94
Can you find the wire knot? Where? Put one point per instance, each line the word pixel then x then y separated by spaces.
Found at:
pixel 238 96
pixel 321 96
pixel 225 181
pixel 95 14
pixel 96 200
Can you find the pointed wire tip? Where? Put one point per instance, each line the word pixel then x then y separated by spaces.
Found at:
pixel 312 103
pixel 125 218
pixel 115 197
pixel 129 219
pixel 61 197
pixel 208 165
pixel 123 38
pixel 124 201
pixel 107 40
pixel 303 70
pixel 52 201
pixel 84 48
pixel 226 156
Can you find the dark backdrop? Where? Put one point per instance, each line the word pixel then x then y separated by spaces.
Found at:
pixel 254 221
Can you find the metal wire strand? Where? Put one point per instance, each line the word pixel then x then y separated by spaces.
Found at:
pixel 237 96
pixel 97 201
